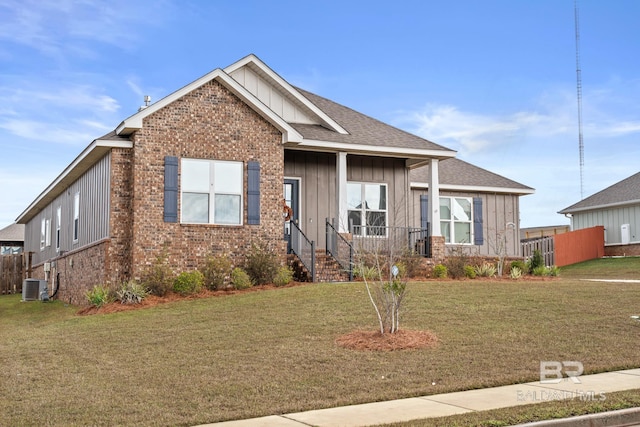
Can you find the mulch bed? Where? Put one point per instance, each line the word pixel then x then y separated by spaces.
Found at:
pixel 404 339
pixel 154 300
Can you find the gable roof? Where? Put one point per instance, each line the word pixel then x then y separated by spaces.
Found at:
pixel 625 192
pixel 364 133
pixel 456 174
pixel 12 233
pixel 338 128
pixel 261 69
pixel 134 122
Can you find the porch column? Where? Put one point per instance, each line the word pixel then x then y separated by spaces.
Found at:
pixel 434 199
pixel 341 192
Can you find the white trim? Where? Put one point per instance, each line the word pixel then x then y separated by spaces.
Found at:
pixel 351 148
pixel 598 207
pixel 275 78
pixel 475 188
pixel 433 203
pixel 299 195
pixel 341 196
pixel 134 122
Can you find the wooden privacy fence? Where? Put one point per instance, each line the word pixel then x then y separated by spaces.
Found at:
pixel 580 245
pixel 567 248
pixel 544 244
pixel 11 273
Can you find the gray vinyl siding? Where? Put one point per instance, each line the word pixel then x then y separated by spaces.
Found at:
pixel 317 174
pixel 93 187
pixel 497 210
pixel 612 219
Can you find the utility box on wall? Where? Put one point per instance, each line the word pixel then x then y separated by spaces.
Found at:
pixel 625 234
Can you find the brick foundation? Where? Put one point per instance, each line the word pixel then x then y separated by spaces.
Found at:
pixel 622 250
pixel 78 272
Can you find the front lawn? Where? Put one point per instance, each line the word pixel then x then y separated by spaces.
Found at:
pixel 274 351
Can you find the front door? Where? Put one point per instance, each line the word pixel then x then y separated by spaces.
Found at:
pixel 291 194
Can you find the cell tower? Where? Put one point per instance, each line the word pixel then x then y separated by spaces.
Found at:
pixel 579 87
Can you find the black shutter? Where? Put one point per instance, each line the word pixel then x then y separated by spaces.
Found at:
pixel 478 237
pixel 253 193
pixel 170 189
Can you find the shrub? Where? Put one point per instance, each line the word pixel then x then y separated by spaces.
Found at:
pixel 216 272
pixel 261 263
pixel 469 271
pixel 486 269
pixel 440 271
pixel 413 265
pixel 520 265
pixel 539 271
pixel 159 278
pixel 365 272
pixel 554 271
pixel 515 272
pixel 99 295
pixel 535 261
pixel 131 292
pixel 240 279
pixel 283 277
pixel 188 282
pixel 455 265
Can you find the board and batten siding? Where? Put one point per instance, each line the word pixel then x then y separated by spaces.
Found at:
pixel 612 219
pixel 498 210
pixel 93 187
pixel 271 97
pixel 317 175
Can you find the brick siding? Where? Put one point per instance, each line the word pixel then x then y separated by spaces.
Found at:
pixel 207 123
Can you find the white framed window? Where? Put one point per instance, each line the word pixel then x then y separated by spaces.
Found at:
pixel 58 222
pixel 456 221
pixel 43 233
pixel 47 232
pixel 211 192
pixel 367 208
pixel 76 216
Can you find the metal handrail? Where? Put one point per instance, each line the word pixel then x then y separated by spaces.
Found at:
pixel 334 242
pixel 304 249
pixel 387 238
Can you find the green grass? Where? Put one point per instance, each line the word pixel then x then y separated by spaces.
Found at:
pixel 610 268
pixel 268 352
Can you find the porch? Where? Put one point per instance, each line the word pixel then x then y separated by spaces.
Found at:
pixel 335 262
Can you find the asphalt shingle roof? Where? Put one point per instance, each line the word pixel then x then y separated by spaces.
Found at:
pixel 12 233
pixel 362 129
pixel 458 172
pixel 627 190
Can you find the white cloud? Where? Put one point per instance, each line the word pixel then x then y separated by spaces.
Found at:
pixel 57 28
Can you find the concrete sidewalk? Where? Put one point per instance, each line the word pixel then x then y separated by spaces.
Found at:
pixel 594 387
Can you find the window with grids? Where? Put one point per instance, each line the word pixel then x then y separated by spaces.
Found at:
pixel 211 192
pixel 367 208
pixel 456 219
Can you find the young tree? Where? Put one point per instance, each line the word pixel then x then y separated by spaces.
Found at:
pixel 379 264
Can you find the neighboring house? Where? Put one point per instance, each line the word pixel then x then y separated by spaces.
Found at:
pixel 205 170
pixel 617 208
pixel 12 239
pixel 543 231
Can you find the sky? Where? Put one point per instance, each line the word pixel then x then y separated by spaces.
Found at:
pixel 494 80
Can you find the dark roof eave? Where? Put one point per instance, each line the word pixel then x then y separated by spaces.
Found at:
pixel 571 209
pixel 85 160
